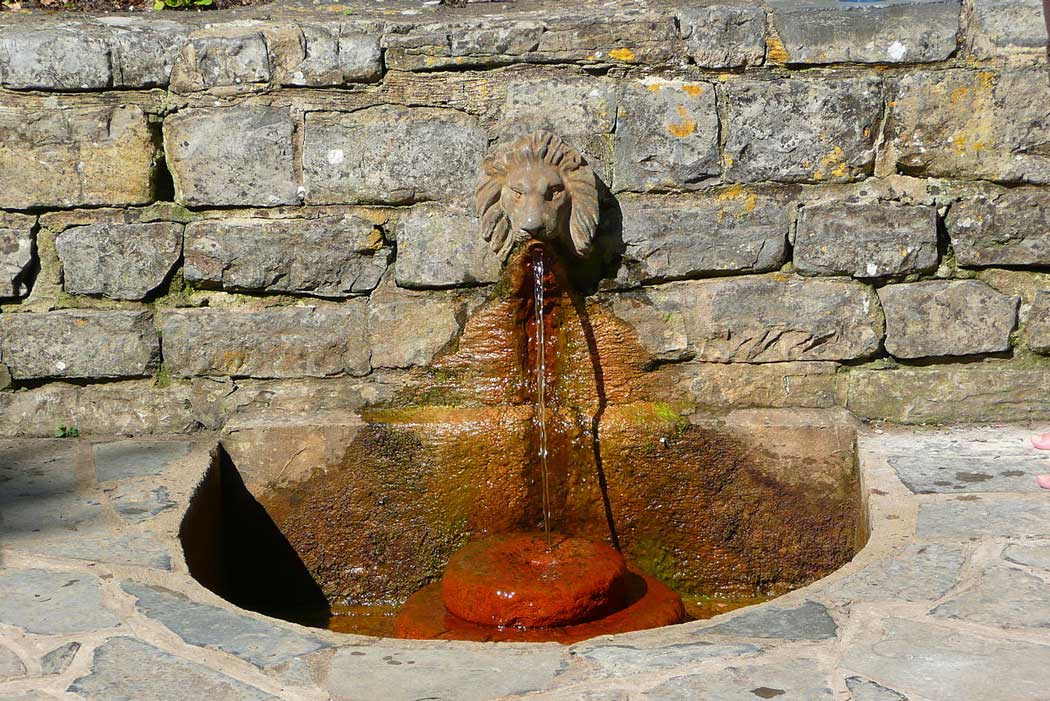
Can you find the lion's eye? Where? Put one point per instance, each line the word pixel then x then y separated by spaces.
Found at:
pixel 517 194
pixel 555 192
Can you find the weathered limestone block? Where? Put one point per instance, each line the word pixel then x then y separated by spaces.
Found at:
pixel 585 115
pixel 794 130
pixel 131 407
pixel 973 125
pixel 119 261
pixel 866 240
pixel 330 256
pixel 211 60
pixel 770 318
pixel 678 237
pixel 232 156
pixel 273 342
pixel 723 36
pixel 622 36
pixel 144 51
pixel 70 56
pixel 1010 30
pixel 431 47
pixel 975 392
pixel 817 385
pixel 321 55
pixel 79 344
pixel 666 135
pixel 438 247
pixel 390 155
pixel 585 107
pixel 828 31
pixel 1039 323
pixel 947 317
pixel 408 329
pixel 75 156
pixel 999 226
pixel 16 253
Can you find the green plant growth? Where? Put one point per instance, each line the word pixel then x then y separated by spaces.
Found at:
pixel 64 431
pixel 180 4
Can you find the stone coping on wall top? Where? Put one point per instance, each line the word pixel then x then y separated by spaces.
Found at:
pixel 306 45
pixel 947 599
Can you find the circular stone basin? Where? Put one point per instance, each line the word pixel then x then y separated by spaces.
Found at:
pixel 516 580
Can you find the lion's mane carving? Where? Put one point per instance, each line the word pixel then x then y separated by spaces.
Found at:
pixel 537 186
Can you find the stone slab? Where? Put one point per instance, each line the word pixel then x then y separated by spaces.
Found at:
pixel 969 393
pixel 439 247
pixel 219 58
pixel 79 344
pixel 947 318
pixel 136 458
pixel 723 35
pixel 46 602
pixel 673 238
pixel 966 460
pixel 807 621
pixel 16 253
pixel 988 125
pixel 989 516
pixel 866 690
pixel 127 669
pixel 1037 556
pixel 406 330
pixel 625 660
pixel 915 573
pixel 999 226
pixel 792 384
pixel 828 31
pixel 293 341
pixel 390 155
pixel 118 261
pixel 866 240
pixel 136 504
pixel 58 660
pixel 240 155
pixel 1008 30
pixel 937 662
pixel 97 542
pixel 11 666
pixel 400 674
pixel 774 318
pixel 797 679
pixel 330 256
pixel 70 56
pixel 1003 597
pixel 666 136
pixel 75 156
pixel 1039 323
pixel 259 642
pixel 792 130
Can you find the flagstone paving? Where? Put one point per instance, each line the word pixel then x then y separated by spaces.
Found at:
pixel 950 598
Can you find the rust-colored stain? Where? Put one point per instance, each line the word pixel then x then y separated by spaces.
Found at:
pixel 684 128
pixel 452 457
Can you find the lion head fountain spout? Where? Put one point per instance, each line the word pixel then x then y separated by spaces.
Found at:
pixel 537 187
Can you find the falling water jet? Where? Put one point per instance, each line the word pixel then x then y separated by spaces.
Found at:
pixel 541 387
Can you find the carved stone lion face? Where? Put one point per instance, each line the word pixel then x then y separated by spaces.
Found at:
pixel 537 187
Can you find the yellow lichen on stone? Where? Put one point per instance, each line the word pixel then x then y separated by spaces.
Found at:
pixel 731 193
pixel 775 50
pixel 833 163
pixel 625 54
pixel 693 89
pixel 686 127
pixel 654 87
pixel 958 94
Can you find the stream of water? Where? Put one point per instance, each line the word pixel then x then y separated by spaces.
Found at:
pixel 541 388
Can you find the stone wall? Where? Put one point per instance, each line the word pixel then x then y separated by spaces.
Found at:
pixel 808 204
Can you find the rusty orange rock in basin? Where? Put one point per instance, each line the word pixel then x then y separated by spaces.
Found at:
pixel 510 587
